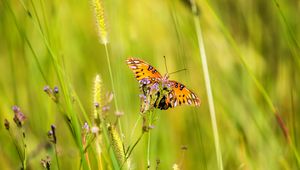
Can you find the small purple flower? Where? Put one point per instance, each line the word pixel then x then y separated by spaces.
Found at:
pixel 119 113
pixel 96 104
pixel 154 88
pixel 55 89
pixel 52 134
pixel 145 81
pixel 105 108
pixel 47 89
pixel 86 127
pixel 19 117
pixel 95 129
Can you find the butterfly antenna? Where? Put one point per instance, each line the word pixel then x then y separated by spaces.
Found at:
pixel 166 64
pixel 177 71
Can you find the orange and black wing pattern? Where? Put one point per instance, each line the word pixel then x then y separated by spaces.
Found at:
pixel 178 95
pixel 143 70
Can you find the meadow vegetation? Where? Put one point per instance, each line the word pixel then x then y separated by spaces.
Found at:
pixel 69 101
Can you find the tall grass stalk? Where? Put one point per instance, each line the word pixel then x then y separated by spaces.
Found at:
pixel 103 36
pixel 65 91
pixel 255 80
pixel 208 86
pixel 113 86
pixel 23 35
pixel 98 117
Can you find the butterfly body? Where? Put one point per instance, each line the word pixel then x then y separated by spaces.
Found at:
pixel 160 92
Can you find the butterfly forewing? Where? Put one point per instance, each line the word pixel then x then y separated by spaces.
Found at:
pixel 142 69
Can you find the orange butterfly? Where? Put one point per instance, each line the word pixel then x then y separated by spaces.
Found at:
pixel 172 93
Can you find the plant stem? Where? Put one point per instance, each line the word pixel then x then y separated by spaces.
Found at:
pixel 208 87
pixel 16 146
pixel 131 149
pixel 113 86
pixel 56 156
pixel 25 148
pixel 149 141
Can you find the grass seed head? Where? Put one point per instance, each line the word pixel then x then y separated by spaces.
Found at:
pixel 97 99
pixel 100 20
pixel 116 143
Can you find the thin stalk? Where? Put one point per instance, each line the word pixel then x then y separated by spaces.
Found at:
pixel 131 149
pixel 24 151
pixel 113 85
pixel 23 35
pixel 56 156
pixel 134 127
pixel 98 153
pixel 17 147
pixel 149 141
pixel 208 87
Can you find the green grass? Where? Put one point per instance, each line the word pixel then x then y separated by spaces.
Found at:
pixel 252 54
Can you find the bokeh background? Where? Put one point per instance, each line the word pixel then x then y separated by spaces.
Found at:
pixel 264 34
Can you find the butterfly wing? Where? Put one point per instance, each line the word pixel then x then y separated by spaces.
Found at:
pixel 177 96
pixel 143 70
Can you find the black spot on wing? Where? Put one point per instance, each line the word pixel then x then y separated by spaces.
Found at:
pixel 181 86
pixel 154 71
pixel 150 67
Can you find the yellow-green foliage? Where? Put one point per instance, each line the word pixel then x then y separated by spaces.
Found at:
pixel 55 43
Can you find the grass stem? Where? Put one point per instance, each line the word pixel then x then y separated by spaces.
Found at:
pixel 149 141
pixel 113 86
pixel 56 156
pixel 208 88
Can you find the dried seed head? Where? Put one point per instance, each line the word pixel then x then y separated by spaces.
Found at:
pixel 116 143
pixel 46 163
pixel 100 20
pixel 19 117
pixel 6 124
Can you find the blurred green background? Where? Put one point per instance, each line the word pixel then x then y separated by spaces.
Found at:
pixel 264 33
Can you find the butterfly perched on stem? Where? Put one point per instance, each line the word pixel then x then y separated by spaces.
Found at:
pixel 158 91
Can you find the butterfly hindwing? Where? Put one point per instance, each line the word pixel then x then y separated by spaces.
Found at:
pixel 142 70
pixel 180 95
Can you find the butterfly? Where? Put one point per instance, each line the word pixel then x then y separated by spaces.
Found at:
pixel 173 93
